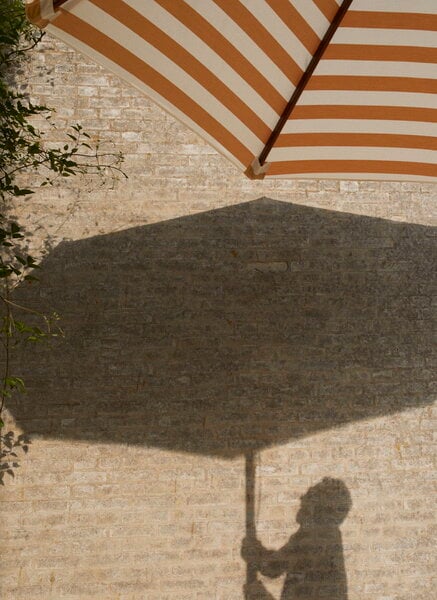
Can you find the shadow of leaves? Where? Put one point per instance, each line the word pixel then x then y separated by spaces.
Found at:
pixel 11 445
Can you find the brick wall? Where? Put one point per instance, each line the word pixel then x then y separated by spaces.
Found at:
pixel 207 316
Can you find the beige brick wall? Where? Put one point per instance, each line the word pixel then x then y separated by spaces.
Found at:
pixel 201 320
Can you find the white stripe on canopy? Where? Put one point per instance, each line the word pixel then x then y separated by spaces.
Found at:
pixel 228 68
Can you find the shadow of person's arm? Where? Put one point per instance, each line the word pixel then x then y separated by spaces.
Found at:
pixel 271 563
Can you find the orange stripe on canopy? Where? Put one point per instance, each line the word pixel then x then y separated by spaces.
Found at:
pixel 263 38
pixel 296 23
pixel 128 61
pixel 381 113
pixel 380 20
pixel 236 72
pixel 357 139
pixel 297 167
pixel 191 65
pixel 327 7
pixel 242 65
pixel 381 53
pixel 373 84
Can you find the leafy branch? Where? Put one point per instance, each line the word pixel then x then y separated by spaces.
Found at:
pixel 25 154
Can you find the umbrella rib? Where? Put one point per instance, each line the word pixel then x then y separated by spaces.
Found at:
pixel 335 23
pixel 58 3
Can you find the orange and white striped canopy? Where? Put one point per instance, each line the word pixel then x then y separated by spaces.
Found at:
pixel 284 88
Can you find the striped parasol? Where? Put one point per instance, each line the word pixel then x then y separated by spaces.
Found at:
pixel 283 88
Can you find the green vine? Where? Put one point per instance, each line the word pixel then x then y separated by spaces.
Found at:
pixel 23 153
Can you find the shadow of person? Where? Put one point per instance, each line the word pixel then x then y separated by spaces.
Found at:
pixel 312 559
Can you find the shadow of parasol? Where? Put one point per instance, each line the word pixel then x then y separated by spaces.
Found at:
pixel 229 331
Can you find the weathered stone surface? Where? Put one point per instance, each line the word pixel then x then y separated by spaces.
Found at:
pixel 206 314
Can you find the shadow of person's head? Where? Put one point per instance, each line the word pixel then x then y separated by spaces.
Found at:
pixel 326 504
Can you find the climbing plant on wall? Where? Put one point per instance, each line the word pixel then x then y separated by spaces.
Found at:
pixel 24 155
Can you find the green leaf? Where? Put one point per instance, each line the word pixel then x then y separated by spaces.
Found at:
pixel 14 383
